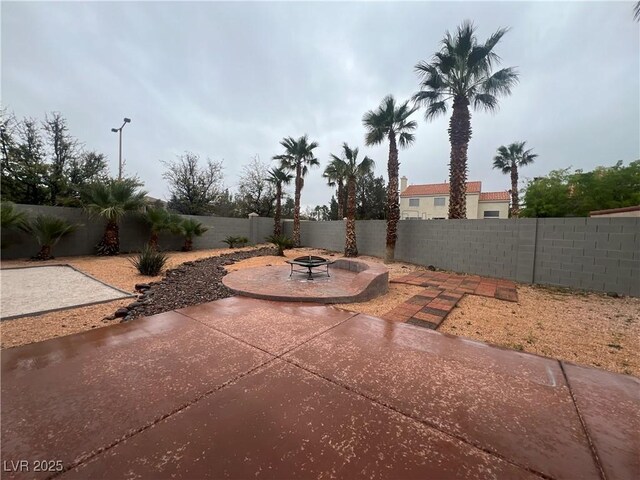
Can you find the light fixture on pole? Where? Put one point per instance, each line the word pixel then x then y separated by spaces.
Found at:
pixel 119 130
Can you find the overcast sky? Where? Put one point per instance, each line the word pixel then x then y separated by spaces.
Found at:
pixel 230 80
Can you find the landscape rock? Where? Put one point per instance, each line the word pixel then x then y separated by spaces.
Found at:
pixel 141 287
pixel 121 312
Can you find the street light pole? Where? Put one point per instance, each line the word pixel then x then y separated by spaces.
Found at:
pixel 119 131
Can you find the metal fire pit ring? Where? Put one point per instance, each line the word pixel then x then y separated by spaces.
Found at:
pixel 309 262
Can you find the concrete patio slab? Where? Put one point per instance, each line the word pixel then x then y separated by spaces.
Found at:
pixel 69 397
pixel 170 396
pixel 515 405
pixel 314 430
pixel 274 327
pixel 610 407
pixel 34 290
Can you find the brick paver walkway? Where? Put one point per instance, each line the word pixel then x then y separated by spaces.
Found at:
pixel 243 388
pixel 443 291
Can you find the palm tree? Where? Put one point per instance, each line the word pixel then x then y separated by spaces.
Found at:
pixel 112 200
pixel 11 218
pixel 462 71
pixel 298 157
pixel 391 121
pixel 279 177
pixel 335 176
pixel 508 160
pixel 353 172
pixel 48 231
pixel 189 228
pixel 160 221
pixel 636 12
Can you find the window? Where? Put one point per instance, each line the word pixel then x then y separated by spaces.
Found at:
pixel 491 214
pixel 439 201
pixel 414 202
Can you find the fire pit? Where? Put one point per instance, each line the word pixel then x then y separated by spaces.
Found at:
pixel 309 262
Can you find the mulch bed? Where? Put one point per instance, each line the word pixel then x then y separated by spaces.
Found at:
pixel 192 283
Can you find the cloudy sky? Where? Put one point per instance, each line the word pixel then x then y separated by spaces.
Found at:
pixel 229 80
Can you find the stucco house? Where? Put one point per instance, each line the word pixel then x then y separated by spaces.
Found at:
pixel 431 201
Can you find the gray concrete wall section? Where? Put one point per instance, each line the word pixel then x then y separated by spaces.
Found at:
pixel 592 253
pixel 601 254
pixel 134 233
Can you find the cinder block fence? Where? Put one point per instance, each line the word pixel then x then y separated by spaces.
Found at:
pixel 601 254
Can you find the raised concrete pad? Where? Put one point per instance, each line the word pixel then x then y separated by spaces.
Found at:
pixel 345 396
pixel 34 290
pixel 351 281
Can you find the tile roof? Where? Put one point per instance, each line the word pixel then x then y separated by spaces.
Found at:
pixel 437 189
pixel 492 196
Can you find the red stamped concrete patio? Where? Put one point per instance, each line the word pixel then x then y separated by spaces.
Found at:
pixel 443 291
pixel 244 388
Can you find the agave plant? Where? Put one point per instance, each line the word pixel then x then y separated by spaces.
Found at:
pixel 149 261
pixel 48 230
pixel 190 228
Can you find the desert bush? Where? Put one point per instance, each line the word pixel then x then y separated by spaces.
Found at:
pixel 282 242
pixel 236 241
pixel 150 261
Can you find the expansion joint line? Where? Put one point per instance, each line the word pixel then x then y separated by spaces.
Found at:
pixel 592 447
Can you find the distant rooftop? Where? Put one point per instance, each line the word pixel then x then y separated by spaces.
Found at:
pixel 443 189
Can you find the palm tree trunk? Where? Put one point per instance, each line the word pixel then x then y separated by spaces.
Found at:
pixel 296 206
pixel 44 253
pixel 351 244
pixel 459 135
pixel 515 202
pixel 393 206
pixel 277 222
pixel 340 200
pixel 153 240
pixel 188 244
pixel 110 243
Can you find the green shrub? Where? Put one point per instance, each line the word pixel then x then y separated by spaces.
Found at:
pixel 242 241
pixel 236 241
pixel 149 261
pixel 282 242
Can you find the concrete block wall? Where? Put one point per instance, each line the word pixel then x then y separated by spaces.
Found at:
pixel 134 233
pixel 601 254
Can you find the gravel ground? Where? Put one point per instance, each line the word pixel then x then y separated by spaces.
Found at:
pixel 590 329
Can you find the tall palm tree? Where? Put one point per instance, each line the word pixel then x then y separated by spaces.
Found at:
pixel 112 200
pixel 48 231
pixel 298 157
pixel 279 177
pixel 462 71
pixel 509 159
pixel 353 172
pixel 335 176
pixel 391 121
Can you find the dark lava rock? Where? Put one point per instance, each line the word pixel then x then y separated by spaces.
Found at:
pixel 141 287
pixel 613 294
pixel 121 312
pixel 191 284
pixel 432 268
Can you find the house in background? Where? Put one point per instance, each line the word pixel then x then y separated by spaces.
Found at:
pixel 431 201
